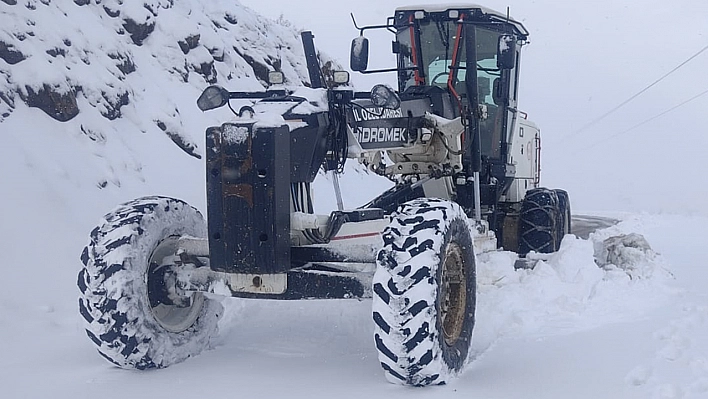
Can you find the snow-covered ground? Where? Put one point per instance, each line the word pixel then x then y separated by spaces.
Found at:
pixel 566 329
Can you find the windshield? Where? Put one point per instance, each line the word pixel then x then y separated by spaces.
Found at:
pixel 438 40
pixel 437 48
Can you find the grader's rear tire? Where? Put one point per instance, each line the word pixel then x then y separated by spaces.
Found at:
pixel 425 293
pixel 538 222
pixel 129 314
pixel 564 215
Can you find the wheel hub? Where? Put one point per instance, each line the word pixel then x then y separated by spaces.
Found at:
pixel 174 311
pixel 453 294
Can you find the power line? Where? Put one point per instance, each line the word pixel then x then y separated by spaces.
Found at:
pixel 649 120
pixel 606 114
pixel 661 114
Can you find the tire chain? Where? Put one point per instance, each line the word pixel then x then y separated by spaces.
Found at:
pixel 537 222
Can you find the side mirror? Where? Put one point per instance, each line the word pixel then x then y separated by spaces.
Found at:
pixel 213 97
pixel 383 96
pixel 506 52
pixel 359 57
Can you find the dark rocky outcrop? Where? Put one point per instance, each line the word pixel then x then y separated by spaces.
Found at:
pixel 93 135
pixel 60 106
pixel 217 53
pixel 10 54
pixel 230 18
pixel 125 64
pixel 189 43
pixel 56 51
pixel 113 105
pixel 183 143
pixel 138 31
pixel 7 104
pixel 111 12
pixel 259 69
pixel 8 99
pixel 208 71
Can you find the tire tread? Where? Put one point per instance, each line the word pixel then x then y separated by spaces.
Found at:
pixel 404 312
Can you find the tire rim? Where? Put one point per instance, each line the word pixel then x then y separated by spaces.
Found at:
pixel 453 294
pixel 171 316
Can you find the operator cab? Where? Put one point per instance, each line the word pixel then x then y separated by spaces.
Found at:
pixel 431 47
pixel 431 51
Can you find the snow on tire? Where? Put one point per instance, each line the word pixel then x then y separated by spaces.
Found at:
pixel 127 314
pixel 424 293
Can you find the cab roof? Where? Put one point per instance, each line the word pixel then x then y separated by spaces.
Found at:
pixel 438 8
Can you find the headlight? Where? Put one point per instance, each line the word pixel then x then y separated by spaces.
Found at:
pixel 340 77
pixel 276 78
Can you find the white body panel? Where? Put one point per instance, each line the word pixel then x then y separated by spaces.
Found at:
pixel 366 237
pixel 524 154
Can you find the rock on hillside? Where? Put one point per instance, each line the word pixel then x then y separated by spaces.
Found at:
pixel 93 63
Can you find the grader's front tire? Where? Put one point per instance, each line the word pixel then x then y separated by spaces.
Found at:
pixel 128 311
pixel 425 293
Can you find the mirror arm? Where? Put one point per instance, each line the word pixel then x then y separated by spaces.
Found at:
pixel 255 95
pixel 379 70
pixel 388 70
pixel 361 29
pixel 361 95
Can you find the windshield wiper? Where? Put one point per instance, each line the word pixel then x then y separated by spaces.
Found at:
pixel 443 35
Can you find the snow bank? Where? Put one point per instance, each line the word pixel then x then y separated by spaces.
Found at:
pixel 569 290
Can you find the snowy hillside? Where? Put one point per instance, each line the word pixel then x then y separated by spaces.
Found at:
pixel 97 106
pixel 122 78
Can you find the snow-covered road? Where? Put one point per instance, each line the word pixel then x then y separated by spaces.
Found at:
pixel 583 225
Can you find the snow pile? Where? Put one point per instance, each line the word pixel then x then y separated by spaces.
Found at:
pixel 626 252
pixel 569 290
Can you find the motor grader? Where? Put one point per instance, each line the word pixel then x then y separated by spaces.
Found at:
pixel 466 166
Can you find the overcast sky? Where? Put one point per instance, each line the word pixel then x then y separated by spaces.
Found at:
pixel 585 57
